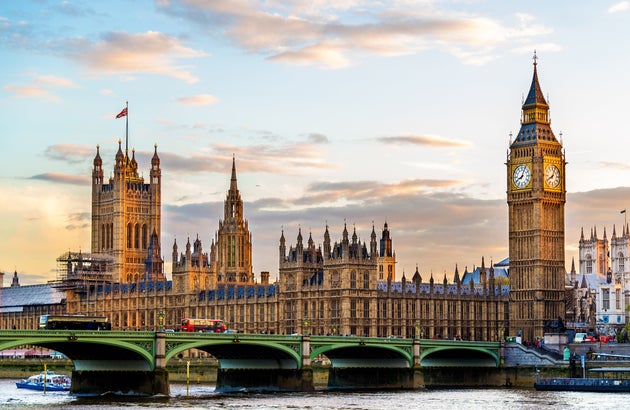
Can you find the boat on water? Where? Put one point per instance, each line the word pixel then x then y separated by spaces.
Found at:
pixel 602 379
pixel 45 381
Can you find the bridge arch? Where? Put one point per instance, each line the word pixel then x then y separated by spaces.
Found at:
pixel 459 356
pixel 364 354
pixel 243 353
pixel 114 353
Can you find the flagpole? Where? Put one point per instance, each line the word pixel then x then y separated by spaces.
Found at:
pixel 127 128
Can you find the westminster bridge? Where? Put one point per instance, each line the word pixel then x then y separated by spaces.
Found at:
pixel 135 362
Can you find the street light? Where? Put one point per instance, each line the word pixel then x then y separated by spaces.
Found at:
pixel 161 320
pixel 417 327
pixel 306 323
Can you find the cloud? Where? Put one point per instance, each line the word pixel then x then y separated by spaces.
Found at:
pixel 332 34
pixel 325 55
pixel 325 194
pixel 318 138
pixel 199 99
pixel 425 140
pixel 286 159
pixel 79 220
pixel 125 53
pixel 31 91
pixel 619 7
pixel 15 33
pixel 617 165
pixel 41 87
pixel 54 81
pixel 70 153
pixel 63 178
pixel 270 154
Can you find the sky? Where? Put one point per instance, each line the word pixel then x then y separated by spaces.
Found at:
pixel 336 111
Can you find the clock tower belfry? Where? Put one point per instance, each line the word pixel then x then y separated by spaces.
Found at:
pixel 536 194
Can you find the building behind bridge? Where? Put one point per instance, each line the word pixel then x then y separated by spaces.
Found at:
pixel 339 287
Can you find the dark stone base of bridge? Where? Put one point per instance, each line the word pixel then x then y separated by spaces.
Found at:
pixel 471 377
pixel 127 383
pixel 265 379
pixel 374 378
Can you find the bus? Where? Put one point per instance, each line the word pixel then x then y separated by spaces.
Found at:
pixel 74 322
pixel 203 325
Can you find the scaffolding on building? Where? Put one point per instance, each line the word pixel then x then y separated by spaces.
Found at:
pixel 77 270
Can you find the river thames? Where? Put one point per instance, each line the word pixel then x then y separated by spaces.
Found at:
pixel 203 397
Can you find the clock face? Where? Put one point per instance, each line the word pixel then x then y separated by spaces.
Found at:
pixel 521 176
pixel 552 176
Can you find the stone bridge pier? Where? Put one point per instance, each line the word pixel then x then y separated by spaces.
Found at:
pixel 258 373
pixel 134 378
pixel 375 370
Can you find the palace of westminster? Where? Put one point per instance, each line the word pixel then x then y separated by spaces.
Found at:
pixel 340 287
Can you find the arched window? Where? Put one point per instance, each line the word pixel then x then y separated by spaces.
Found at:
pixel 129 235
pixel 366 280
pixel 622 264
pixel 353 280
pixel 103 236
pixel 145 238
pixel 231 252
pixel 589 264
pixel 136 236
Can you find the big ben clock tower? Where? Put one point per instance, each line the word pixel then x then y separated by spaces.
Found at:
pixel 536 194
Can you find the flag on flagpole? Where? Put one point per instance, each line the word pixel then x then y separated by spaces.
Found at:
pixel 123 113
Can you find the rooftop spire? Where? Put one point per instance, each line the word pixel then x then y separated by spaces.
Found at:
pixel 233 202
pixel 233 186
pixel 535 95
pixel 535 121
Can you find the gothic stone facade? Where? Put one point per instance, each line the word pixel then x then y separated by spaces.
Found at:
pixel 346 287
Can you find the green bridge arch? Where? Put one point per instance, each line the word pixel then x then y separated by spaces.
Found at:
pixel 386 352
pixel 250 349
pixel 79 346
pixel 447 353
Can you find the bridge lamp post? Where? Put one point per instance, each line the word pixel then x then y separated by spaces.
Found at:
pixel 306 323
pixel 422 332
pixel 161 320
pixel 417 327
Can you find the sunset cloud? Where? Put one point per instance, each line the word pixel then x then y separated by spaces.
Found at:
pixel 42 86
pixel 63 178
pixel 619 7
pixel 325 55
pixel 70 153
pixel 199 99
pixel 331 34
pixel 426 141
pixel 31 91
pixel 127 53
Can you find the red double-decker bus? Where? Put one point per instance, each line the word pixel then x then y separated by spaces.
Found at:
pixel 202 325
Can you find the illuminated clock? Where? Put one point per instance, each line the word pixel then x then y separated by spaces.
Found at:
pixel 552 176
pixel 521 176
